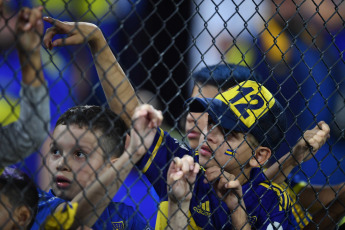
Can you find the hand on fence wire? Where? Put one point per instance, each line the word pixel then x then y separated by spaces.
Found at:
pixel 181 177
pixel 145 122
pixel 29 29
pixel 77 33
pixel 227 188
pixel 311 142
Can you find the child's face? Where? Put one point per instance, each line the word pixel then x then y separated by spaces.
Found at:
pixel 196 122
pixel 217 147
pixel 73 159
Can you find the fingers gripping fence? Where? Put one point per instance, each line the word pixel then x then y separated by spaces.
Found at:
pixel 259 145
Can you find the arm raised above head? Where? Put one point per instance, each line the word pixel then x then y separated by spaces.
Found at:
pixel 117 87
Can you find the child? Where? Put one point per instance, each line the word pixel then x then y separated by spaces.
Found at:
pixel 245 124
pixel 18 200
pixel 86 141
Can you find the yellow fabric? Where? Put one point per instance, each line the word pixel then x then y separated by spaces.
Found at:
pixel 257 91
pixel 241 53
pixel 302 217
pixel 10 110
pixel 155 150
pixel 63 219
pixel 162 217
pixel 275 42
pixel 284 198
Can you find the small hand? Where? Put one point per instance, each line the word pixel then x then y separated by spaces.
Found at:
pixel 311 142
pixel 77 33
pixel 29 29
pixel 181 177
pixel 223 182
pixel 145 120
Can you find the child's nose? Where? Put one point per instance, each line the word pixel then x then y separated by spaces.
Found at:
pixel 62 164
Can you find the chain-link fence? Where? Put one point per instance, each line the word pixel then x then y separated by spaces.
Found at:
pixel 270 149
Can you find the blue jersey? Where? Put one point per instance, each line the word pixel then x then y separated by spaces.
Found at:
pixel 115 216
pixel 267 204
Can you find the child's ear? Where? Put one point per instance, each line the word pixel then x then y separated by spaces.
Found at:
pixel 262 155
pixel 22 216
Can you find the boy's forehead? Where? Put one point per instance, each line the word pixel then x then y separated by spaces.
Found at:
pixel 75 132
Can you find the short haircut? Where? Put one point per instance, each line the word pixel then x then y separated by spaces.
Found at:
pixel 95 118
pixel 20 191
pixel 224 76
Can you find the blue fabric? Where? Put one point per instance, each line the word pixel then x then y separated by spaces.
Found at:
pixel 115 216
pixel 264 205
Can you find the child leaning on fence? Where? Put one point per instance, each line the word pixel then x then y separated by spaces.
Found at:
pixel 245 124
pixel 87 165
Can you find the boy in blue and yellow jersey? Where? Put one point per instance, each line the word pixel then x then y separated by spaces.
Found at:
pixel 211 80
pixel 245 124
pixel 87 167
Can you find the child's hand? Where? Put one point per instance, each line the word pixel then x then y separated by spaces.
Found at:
pixel 78 33
pixel 227 188
pixel 144 123
pixel 29 29
pixel 181 177
pixel 311 142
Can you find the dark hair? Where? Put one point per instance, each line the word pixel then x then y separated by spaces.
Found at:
pixel 20 190
pixel 96 118
pixel 224 76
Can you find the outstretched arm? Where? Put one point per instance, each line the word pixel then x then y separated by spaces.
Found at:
pixel 25 136
pixel 117 88
pixel 305 148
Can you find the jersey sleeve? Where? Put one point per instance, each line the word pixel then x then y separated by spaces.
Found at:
pixel 156 161
pixel 23 137
pixel 276 207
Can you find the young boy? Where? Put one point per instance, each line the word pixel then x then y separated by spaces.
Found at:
pixel 18 200
pixel 85 162
pixel 211 80
pixel 245 124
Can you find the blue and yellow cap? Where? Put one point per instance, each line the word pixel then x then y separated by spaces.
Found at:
pixel 246 107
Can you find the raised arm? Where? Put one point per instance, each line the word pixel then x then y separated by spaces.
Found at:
pixel 305 148
pixel 117 88
pixel 25 136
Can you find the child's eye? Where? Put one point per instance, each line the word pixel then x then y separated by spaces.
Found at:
pixel 55 152
pixel 80 155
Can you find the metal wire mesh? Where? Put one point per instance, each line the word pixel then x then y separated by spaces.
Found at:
pixel 293 48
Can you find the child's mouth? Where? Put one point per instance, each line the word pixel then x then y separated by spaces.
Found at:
pixel 193 135
pixel 205 151
pixel 62 182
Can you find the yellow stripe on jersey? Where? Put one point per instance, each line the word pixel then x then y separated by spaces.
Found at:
pixel 162 218
pixel 302 217
pixel 155 150
pixel 285 201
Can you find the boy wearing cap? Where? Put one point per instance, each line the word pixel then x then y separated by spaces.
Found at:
pixel 211 80
pixel 245 124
